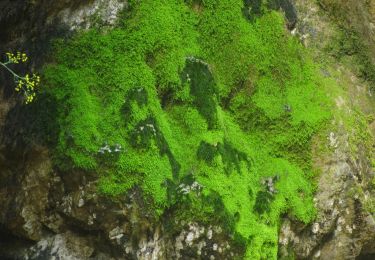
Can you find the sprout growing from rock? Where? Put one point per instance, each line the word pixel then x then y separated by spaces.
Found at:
pixel 26 84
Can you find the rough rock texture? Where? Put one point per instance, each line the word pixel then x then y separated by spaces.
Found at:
pixel 45 214
pixel 35 23
pixel 62 216
pixel 99 11
pixel 358 15
pixel 344 228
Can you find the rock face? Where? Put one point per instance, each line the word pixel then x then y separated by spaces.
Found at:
pixel 63 217
pixel 344 227
pixel 358 15
pixel 48 215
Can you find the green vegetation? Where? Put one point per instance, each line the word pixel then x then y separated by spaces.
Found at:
pixel 193 91
pixel 352 43
pixel 348 44
pixel 26 84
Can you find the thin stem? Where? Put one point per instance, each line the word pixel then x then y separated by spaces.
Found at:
pixel 11 71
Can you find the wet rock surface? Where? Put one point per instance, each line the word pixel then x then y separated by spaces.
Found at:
pixel 45 214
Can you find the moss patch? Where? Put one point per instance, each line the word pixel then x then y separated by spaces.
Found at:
pixel 201 92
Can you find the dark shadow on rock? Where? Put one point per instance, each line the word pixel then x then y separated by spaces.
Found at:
pixel 230 156
pixel 203 88
pixel 142 136
pixel 33 124
pixel 253 9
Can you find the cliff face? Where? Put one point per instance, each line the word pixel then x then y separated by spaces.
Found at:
pixel 49 210
pixel 344 227
pixel 48 214
pixel 45 215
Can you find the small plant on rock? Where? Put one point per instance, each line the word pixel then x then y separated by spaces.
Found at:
pixel 26 84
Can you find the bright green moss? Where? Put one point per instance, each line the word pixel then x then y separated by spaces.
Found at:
pixel 200 94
